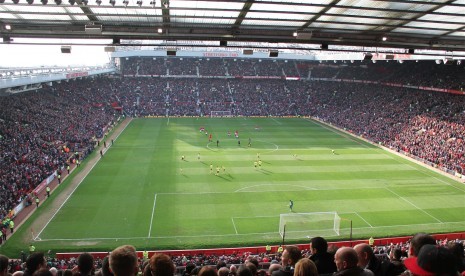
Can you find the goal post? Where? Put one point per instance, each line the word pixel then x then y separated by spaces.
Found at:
pixel 223 113
pixel 304 225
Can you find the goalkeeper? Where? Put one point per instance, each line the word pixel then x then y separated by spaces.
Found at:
pixel 291 205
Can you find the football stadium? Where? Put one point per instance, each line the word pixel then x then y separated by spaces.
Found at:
pixel 232 138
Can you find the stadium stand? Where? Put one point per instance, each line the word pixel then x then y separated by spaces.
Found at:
pixel 43 130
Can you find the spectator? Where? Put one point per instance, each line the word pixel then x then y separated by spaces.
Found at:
pixel 162 265
pixel 3 265
pixel 291 255
pixel 323 260
pixel 223 271
pixel 123 261
pixel 85 265
pixel 244 271
pixel 346 262
pixel 397 266
pixel 189 267
pixel 305 267
pixel 273 268
pixel 35 262
pixel 459 254
pixel 368 260
pixel 207 271
pixel 54 271
pixel 106 267
pixel 233 270
pixel 432 260
pixel 418 241
pixel 42 272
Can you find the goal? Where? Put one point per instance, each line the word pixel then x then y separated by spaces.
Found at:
pixel 220 113
pixel 307 225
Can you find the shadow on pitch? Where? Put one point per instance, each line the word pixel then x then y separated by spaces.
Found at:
pixel 222 177
pixel 267 172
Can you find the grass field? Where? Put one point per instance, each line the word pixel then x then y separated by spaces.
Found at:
pixel 142 193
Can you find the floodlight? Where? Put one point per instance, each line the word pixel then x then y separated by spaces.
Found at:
pixel 8 27
pixel 112 2
pixel 30 2
pixel 99 2
pixel 58 2
pixel 160 30
pixel 44 2
pixel 85 2
pixel 71 2
pixel 139 3
pixel 125 3
pixel 152 3
pixel 15 1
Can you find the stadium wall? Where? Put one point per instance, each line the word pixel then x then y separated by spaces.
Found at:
pixel 261 249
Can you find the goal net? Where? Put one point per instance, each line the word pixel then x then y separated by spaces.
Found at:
pixel 305 225
pixel 220 113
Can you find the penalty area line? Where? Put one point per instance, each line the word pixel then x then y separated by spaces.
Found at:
pixel 153 212
pixel 363 219
pixel 235 229
pixel 411 203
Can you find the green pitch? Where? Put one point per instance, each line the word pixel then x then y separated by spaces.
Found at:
pixel 142 192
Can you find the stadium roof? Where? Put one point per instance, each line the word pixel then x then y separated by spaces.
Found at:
pixel 415 24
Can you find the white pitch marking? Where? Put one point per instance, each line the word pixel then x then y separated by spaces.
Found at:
pixel 235 229
pixel 408 201
pixel 363 219
pixel 278 122
pixel 59 208
pixel 153 211
pixel 250 234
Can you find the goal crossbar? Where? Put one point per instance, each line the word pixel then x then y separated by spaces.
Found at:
pixel 221 113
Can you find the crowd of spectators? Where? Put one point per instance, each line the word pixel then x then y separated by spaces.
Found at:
pixel 422 255
pixel 423 73
pixel 428 125
pixel 41 132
